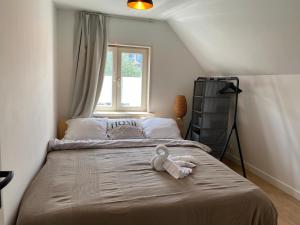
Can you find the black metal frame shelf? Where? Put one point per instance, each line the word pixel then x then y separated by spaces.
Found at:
pixel 200 96
pixel 213 113
pixel 204 128
pixel 7 175
pixel 212 93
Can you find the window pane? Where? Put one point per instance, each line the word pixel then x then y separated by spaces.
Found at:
pixel 105 99
pixel 131 79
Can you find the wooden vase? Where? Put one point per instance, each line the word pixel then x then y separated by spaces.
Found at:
pixel 180 106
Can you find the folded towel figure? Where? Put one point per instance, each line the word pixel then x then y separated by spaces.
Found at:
pixel 175 166
pixel 185 161
pixel 186 158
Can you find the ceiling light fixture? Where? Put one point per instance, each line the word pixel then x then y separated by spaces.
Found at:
pixel 140 4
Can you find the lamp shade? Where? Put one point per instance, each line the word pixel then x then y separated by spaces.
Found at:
pixel 180 106
pixel 140 4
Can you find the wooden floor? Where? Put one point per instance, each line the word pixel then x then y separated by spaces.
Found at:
pixel 288 207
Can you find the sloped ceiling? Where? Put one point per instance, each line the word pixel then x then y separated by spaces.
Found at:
pixel 226 36
pixel 240 36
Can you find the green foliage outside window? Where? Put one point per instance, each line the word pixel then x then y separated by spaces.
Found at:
pixel 131 65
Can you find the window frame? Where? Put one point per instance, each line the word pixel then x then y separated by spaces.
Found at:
pixel 117 51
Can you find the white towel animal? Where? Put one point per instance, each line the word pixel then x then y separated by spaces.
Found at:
pixel 177 168
pixel 185 161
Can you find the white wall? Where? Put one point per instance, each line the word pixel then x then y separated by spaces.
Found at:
pixel 269 124
pixel 27 115
pixel 254 38
pixel 173 68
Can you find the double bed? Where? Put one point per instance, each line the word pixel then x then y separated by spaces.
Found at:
pixel 111 182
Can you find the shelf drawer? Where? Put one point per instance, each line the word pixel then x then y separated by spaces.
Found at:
pixel 212 121
pixel 208 105
pixel 199 88
pixel 213 137
pixel 194 136
pixel 212 88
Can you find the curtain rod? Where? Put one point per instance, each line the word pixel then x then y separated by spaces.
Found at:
pixel 120 16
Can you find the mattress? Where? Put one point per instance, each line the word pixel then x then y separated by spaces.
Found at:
pixel 112 183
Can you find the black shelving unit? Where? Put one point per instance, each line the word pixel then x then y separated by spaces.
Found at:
pixel 214 114
pixel 7 177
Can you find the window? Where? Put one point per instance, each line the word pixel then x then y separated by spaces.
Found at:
pixel 125 85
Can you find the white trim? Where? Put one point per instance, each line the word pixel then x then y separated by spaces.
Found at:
pixel 144 52
pixel 114 83
pixel 116 95
pixel 129 46
pixel 123 114
pixel 267 177
pixel 149 78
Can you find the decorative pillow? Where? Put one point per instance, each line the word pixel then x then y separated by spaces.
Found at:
pixel 160 128
pixel 86 129
pixel 124 129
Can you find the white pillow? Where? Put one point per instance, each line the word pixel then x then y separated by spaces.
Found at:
pixel 160 128
pixel 86 129
pixel 124 129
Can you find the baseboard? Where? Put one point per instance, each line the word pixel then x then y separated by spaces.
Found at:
pixel 267 177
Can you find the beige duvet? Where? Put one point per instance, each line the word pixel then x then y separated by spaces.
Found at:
pixel 112 183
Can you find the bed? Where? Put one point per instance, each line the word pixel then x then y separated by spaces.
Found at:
pixel 110 182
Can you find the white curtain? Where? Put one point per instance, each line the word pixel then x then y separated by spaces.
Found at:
pixel 89 63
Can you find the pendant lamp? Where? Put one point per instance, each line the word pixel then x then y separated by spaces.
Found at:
pixel 140 4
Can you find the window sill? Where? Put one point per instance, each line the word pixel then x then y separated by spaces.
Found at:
pixel 122 114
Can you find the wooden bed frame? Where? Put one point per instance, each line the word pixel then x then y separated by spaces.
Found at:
pixel 61 129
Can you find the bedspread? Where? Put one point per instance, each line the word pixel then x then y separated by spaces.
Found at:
pixel 112 183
